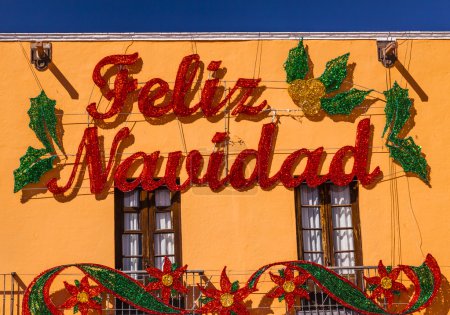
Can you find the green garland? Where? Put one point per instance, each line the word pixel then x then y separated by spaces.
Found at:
pixel 425 278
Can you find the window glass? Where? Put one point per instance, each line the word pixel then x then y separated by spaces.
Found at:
pixel 131 222
pixel 163 220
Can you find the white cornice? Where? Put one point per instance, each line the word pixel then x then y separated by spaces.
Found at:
pixel 211 36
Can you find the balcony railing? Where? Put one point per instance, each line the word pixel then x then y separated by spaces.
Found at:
pixel 189 301
pixel 13 287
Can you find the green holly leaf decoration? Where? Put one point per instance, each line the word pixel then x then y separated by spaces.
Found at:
pixel 409 155
pixel 97 299
pixel 281 298
pixel 281 272
pixel 75 309
pixel 77 283
pixel 335 73
pixel 32 167
pixel 174 267
pixel 43 119
pixel 397 109
pixel 296 65
pixel 343 103
pixel 234 286
pixel 404 151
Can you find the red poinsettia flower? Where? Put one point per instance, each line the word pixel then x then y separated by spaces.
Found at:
pixel 83 297
pixel 288 286
pixel 385 285
pixel 229 300
pixel 170 278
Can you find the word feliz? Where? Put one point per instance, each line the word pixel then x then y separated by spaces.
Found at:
pixel 157 88
pixel 98 175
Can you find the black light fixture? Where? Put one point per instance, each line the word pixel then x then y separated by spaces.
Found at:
pixel 387 52
pixel 41 55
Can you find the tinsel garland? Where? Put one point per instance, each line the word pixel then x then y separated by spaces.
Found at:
pixel 310 95
pixel 404 151
pixel 230 297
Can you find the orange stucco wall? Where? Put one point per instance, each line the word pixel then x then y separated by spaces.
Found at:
pixel 401 217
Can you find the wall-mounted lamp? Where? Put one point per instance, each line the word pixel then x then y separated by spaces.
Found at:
pixel 41 55
pixel 387 52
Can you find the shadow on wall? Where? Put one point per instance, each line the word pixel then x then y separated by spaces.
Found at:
pixel 441 303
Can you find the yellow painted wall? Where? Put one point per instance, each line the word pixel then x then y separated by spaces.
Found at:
pixel 243 230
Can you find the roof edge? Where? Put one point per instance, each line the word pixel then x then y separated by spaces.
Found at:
pixel 222 36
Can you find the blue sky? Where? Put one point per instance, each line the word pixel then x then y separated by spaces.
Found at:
pixel 218 16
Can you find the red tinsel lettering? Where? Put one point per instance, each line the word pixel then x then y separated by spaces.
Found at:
pixel 122 84
pixel 187 72
pixel 97 175
pixel 183 83
pixel 265 148
pixel 236 176
pixel 146 102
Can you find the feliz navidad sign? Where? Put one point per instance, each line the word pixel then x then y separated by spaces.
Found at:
pixel 311 95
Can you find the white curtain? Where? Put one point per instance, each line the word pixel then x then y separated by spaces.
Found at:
pixel 163 220
pixel 162 197
pixel 131 221
pixel 312 239
pixel 342 225
pixel 132 246
pixel 131 199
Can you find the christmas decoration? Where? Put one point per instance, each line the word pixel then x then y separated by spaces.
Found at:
pixel 288 286
pixel 310 95
pixel 98 175
pixel 170 278
pixel 83 297
pixel 37 299
pixel 157 88
pixel 404 151
pixel 229 299
pixel 385 285
pixel 43 121
pixel 122 84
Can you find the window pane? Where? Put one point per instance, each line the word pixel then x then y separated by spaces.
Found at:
pixel 132 264
pixel 342 217
pixel 311 217
pixel 131 222
pixel 340 195
pixel 317 258
pixel 159 261
pixel 131 244
pixel 345 260
pixel 162 197
pixel 131 199
pixel 312 241
pixel 163 220
pixel 164 244
pixel 343 240
pixel 309 196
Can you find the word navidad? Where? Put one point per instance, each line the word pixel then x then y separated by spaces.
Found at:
pixel 99 175
pixel 157 88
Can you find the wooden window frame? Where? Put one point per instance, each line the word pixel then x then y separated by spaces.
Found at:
pixel 327 223
pixel 147 214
